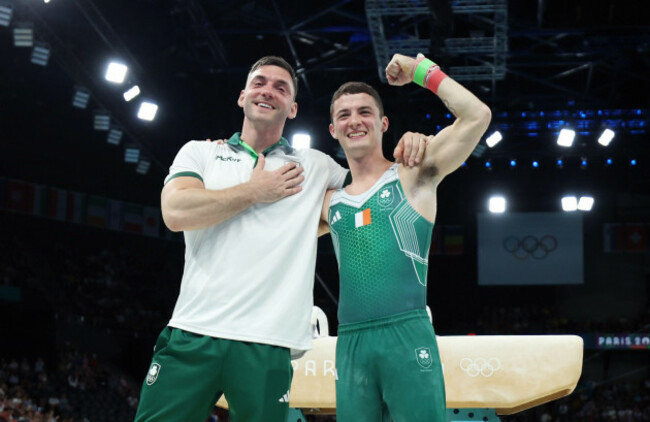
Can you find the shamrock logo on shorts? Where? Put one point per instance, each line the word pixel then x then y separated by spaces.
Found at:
pixel 423 356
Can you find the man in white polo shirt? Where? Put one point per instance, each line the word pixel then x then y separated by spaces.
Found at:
pixel 250 210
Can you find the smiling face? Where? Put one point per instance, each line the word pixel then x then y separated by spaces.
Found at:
pixel 268 98
pixel 357 123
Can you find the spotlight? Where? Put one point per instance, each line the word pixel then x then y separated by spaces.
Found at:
pixel 131 155
pixel 583 163
pixel 494 139
pixel 116 72
pixel 102 120
pixel 301 141
pixel 606 137
pixel 560 163
pixel 6 12
pixel 585 203
pixel 147 111
pixel 24 35
pixel 513 163
pixel 569 203
pixel 464 164
pixel 132 92
pixel 497 204
pixel 81 97
pixel 41 54
pixel 633 162
pixel 609 161
pixel 488 164
pixel 143 166
pixel 566 137
pixel 114 136
pixel 535 163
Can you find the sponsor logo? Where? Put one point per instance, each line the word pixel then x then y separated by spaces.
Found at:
pixel 231 159
pixel 423 356
pixel 152 375
pixel 385 196
pixel 480 366
pixel 284 398
pixel 335 218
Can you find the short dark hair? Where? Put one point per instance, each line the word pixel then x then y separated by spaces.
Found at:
pixel 279 62
pixel 357 88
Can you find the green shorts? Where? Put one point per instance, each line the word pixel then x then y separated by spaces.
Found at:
pixel 189 372
pixel 389 368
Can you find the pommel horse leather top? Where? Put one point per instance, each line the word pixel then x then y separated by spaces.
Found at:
pixel 505 373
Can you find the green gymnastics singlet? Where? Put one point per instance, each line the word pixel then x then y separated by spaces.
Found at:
pixel 382 247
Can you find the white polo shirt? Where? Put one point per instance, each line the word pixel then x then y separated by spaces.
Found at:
pixel 251 277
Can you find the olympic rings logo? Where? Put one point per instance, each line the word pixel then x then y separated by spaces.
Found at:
pixel 530 246
pixel 480 366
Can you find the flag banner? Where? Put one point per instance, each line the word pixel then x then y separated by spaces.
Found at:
pixel 151 226
pixel 81 208
pixel 453 240
pixel 19 196
pixel 97 211
pixel 76 207
pixel 530 249
pixel 57 204
pixel 133 218
pixel 436 240
pixel 115 215
pixel 3 192
pixel 625 237
pixel 39 206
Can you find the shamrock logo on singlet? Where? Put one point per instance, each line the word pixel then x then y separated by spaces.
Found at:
pixel 385 196
pixel 423 355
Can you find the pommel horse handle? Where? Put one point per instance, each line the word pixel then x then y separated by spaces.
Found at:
pixel 505 373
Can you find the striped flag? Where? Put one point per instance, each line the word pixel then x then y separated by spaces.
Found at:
pixel 453 240
pixel 115 217
pixel 151 225
pixel 57 203
pixel 133 218
pixel 436 240
pixel 3 192
pixel 39 207
pixel 97 211
pixel 362 218
pixel 76 207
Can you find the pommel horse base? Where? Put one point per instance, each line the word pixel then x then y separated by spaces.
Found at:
pixel 485 376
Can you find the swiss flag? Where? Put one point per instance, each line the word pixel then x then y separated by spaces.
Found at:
pixel 636 238
pixel 20 196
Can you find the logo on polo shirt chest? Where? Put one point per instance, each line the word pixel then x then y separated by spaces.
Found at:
pixel 231 159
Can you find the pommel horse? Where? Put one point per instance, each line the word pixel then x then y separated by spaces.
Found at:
pixel 485 376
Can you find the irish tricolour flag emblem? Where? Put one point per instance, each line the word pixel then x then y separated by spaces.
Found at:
pixel 362 218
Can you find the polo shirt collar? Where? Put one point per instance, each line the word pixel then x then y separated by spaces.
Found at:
pixel 237 142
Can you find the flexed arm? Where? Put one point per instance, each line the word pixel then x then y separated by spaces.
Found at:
pixel 452 145
pixel 187 205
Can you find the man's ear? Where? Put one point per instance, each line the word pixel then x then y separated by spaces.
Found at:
pixel 332 131
pixel 240 100
pixel 294 111
pixel 384 124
